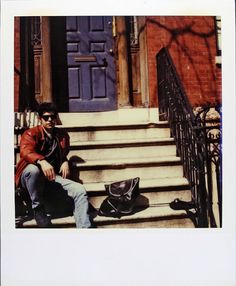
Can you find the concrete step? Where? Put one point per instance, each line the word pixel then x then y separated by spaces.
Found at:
pixel 160 216
pixel 152 191
pixel 149 198
pixel 115 117
pixel 125 168
pixel 171 222
pixel 117 132
pixel 109 149
pixel 154 184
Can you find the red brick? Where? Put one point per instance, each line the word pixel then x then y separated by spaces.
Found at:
pixel 192 54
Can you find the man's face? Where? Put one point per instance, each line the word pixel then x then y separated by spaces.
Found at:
pixel 48 120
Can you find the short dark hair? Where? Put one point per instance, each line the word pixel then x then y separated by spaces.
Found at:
pixel 46 107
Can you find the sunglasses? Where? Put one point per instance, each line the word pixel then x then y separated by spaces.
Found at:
pixel 46 117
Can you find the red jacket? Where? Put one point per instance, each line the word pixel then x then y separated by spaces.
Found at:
pixel 32 144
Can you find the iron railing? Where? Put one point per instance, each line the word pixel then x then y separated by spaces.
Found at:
pixel 197 135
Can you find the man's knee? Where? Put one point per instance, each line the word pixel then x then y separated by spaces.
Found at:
pixel 78 189
pixel 32 171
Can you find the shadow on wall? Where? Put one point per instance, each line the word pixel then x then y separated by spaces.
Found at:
pixel 189 56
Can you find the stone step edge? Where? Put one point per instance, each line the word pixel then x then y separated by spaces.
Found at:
pixel 121 143
pixel 158 212
pixel 116 143
pixel 144 185
pixel 114 126
pixel 128 162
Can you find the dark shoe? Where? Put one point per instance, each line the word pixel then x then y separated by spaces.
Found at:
pixel 41 217
pixel 177 204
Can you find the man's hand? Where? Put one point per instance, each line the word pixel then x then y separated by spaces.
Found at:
pixel 64 170
pixel 47 169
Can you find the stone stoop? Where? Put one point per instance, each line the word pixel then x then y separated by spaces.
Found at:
pixel 152 207
pixel 109 149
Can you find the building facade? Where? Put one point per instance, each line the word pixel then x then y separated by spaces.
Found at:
pixel 99 63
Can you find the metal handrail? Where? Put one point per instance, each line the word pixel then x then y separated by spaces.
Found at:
pixel 198 142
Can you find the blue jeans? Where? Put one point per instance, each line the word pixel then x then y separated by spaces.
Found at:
pixel 37 185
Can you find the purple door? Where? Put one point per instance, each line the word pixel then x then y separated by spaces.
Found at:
pixel 90 63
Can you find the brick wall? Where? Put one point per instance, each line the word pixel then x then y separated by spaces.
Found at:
pixel 192 45
pixel 16 63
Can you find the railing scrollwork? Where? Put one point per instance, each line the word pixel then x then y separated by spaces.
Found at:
pixel 197 134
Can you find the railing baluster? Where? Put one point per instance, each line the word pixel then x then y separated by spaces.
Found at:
pixel 196 144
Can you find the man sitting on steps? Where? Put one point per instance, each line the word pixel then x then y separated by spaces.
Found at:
pixel 43 166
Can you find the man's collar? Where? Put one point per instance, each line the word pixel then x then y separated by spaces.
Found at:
pixel 49 134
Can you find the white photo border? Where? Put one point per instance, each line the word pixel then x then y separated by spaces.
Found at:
pixel 125 257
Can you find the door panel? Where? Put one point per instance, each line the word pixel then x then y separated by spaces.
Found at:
pixel 90 64
pixel 74 75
